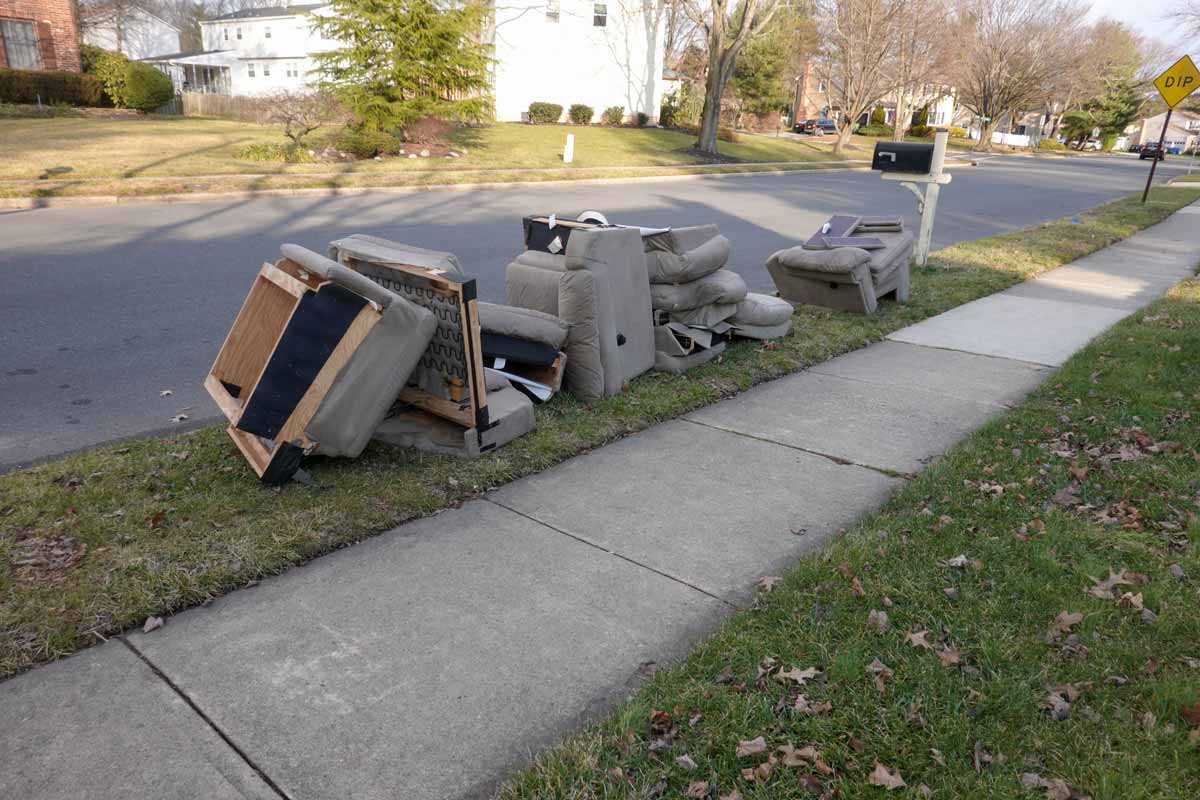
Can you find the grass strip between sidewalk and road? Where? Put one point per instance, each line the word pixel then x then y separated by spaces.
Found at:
pixel 1021 620
pixel 98 541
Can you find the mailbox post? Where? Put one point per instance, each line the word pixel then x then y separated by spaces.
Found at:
pixel 914 163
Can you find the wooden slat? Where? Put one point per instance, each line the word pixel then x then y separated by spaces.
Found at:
pixel 293 429
pixel 474 353
pixel 229 405
pixel 255 332
pixel 454 412
pixel 290 284
pixel 256 453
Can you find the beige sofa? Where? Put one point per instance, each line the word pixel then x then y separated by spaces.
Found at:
pixel 845 278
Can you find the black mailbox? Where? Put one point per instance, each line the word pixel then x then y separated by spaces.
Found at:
pixel 903 157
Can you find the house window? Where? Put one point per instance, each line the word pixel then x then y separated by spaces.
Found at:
pixel 267 32
pixel 239 33
pixel 19 37
pixel 266 70
pixel 820 87
pixel 250 70
pixel 551 10
pixel 225 32
pixel 599 15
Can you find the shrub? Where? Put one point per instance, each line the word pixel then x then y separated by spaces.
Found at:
pixel 49 88
pixel 581 114
pixel 301 113
pixel 878 116
pixel 1050 144
pixel 427 130
pixel 365 143
pixel 270 151
pixel 110 68
pixel 643 119
pixel 920 127
pixel 613 115
pixel 544 113
pixel 146 88
pixel 876 130
pixel 727 135
pixel 957 132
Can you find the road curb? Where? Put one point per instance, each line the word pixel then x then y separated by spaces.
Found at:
pixel 33 203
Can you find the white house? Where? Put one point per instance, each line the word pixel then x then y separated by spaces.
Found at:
pixel 128 29
pixel 601 54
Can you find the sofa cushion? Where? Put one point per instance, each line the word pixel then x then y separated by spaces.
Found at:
pixel 762 309
pixel 681 255
pixel 722 286
pixel 705 316
pixel 747 331
pixel 838 260
pixel 523 323
pixel 378 250
pixel 898 251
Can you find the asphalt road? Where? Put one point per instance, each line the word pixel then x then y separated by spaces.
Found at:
pixel 102 309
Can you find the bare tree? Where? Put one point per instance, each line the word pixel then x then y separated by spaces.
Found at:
pixel 919 57
pixel 1012 54
pixel 730 25
pixel 301 113
pixel 1187 17
pixel 858 38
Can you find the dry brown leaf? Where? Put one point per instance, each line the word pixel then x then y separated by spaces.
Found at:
pixel 846 571
pixel 697 789
pixel 797 757
pixel 918 640
pixel 878 621
pixel 1191 714
pixel 686 762
pixel 1131 600
pixel 768 582
pixel 152 624
pixel 804 706
pixel 734 795
pixel 796 675
pixel 1063 624
pixel 880 674
pixel 949 656
pixel 937 756
pixel 751 747
pixel 924 791
pixel 856 587
pixel 660 723
pixel 882 776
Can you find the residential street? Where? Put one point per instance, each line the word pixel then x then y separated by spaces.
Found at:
pixel 106 308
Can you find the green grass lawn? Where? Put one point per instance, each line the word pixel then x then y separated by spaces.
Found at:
pixel 156 525
pixel 1041 636
pixel 73 148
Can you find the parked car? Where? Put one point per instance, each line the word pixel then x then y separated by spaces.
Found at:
pixel 815 126
pixel 1135 148
pixel 1092 144
pixel 1151 151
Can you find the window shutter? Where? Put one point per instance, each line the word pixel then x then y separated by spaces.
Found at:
pixel 45 36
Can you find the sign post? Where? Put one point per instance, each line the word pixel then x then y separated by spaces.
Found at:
pixel 1181 79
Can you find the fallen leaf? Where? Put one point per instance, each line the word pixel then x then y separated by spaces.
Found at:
pixel 937 756
pixel 804 706
pixel 856 588
pixel 878 620
pixel 798 757
pixel 156 520
pixel 697 789
pixel 797 676
pixel 660 723
pixel 734 795
pixel 1104 588
pixel 1177 573
pixel 686 762
pixel 1131 600
pixel 1147 721
pixel 813 784
pixel 846 571
pixel 959 561
pixel 1063 624
pixel 616 773
pixel 1148 617
pixel 924 791
pixel 880 674
pixel 152 624
pixel 1191 714
pixel 768 582
pixel 1067 496
pixel 751 747
pixel 949 656
pixel 882 776
pixel 918 640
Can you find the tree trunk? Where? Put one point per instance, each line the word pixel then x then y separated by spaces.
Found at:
pixel 985 135
pixel 719 73
pixel 843 138
pixel 898 123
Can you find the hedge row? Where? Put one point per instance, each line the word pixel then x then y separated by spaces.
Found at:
pixel 50 88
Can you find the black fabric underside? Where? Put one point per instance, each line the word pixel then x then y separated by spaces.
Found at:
pixel 538 354
pixel 316 327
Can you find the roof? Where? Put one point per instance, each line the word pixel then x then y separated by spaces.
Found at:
pixel 103 10
pixel 186 54
pixel 273 11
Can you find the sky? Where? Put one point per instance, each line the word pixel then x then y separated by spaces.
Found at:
pixel 1147 19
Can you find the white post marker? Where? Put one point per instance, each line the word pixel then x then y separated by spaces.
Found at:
pixel 569 150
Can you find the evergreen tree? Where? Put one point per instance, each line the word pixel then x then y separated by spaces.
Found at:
pixel 401 60
pixel 759 82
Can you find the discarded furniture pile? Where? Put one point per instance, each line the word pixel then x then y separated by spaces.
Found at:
pixel 389 342
pixel 849 264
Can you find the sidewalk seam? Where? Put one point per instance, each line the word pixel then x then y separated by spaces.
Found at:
pixel 614 553
pixel 207 720
pixel 971 353
pixel 839 460
pixel 991 403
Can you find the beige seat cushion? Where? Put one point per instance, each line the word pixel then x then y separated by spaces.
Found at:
pixel 722 286
pixel 763 310
pixel 838 260
pixel 523 323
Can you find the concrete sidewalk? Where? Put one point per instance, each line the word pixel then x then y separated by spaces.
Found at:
pixel 431 660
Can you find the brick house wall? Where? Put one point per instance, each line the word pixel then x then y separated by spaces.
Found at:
pixel 57 33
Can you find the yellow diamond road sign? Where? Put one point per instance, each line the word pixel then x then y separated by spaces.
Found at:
pixel 1181 79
